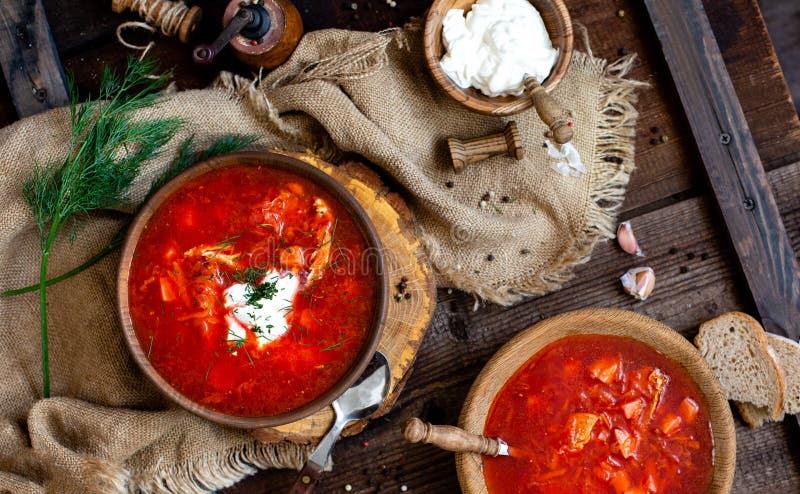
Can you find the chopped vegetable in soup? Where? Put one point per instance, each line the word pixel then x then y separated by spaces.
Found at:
pixel 252 290
pixel 600 414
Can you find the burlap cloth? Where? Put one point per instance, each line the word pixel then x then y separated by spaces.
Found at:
pixel 108 429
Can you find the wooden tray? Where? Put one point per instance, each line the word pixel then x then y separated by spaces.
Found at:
pixel 529 341
pixel 406 320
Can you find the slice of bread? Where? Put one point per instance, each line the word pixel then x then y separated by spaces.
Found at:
pixel 735 346
pixel 788 353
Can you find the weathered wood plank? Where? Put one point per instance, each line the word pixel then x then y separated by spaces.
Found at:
pixel 732 162
pixel 697 279
pixel 665 170
pixel 29 59
pixel 782 18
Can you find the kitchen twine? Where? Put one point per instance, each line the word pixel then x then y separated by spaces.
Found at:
pixel 169 17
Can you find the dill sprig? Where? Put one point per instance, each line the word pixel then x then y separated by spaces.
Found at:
pixel 107 148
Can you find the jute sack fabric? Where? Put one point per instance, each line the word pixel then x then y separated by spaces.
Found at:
pixel 107 429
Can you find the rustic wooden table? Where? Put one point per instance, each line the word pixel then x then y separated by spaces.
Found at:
pixel 668 200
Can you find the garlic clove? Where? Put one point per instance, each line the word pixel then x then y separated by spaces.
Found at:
pixel 627 240
pixel 639 282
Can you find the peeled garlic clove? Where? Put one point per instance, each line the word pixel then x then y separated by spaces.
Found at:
pixel 639 282
pixel 627 240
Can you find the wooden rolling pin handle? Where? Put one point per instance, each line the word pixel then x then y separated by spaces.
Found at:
pixel 187 26
pixel 550 111
pixel 466 151
pixel 449 438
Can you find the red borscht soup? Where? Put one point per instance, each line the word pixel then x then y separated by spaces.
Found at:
pixel 600 414
pixel 252 290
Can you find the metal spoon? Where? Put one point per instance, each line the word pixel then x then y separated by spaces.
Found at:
pixel 358 402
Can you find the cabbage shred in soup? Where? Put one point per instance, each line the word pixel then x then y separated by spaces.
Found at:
pixel 600 414
pixel 252 290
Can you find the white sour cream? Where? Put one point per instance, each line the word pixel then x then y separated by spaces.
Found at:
pixel 265 316
pixel 496 46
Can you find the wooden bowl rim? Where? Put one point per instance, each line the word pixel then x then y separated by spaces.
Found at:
pixel 507 360
pixel 474 99
pixel 289 163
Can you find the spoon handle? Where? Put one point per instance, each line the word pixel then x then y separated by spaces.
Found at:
pixel 550 111
pixel 312 471
pixel 450 438
pixel 306 479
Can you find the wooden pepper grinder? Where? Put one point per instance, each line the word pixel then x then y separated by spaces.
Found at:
pixel 452 438
pixel 550 112
pixel 262 33
pixel 465 152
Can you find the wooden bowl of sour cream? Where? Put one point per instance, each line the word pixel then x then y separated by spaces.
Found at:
pixel 559 27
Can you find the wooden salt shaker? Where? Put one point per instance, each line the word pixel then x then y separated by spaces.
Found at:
pixel 451 438
pixel 465 152
pixel 550 112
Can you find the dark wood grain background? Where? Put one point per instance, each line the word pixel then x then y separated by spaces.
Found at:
pixel 668 202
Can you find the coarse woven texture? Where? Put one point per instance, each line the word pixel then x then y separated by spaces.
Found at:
pixel 108 430
pixel 377 99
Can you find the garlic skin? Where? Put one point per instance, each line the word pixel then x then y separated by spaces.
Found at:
pixel 639 282
pixel 627 240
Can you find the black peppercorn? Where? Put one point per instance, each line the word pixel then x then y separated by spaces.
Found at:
pixel 490 258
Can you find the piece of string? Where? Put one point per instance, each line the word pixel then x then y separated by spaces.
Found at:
pixel 584 36
pixel 166 14
pixel 136 25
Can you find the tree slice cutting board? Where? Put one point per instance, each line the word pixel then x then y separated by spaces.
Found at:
pixel 406 320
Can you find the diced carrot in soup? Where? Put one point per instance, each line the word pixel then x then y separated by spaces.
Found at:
pixel 632 409
pixel 604 369
pixel 168 293
pixel 670 424
pixel 295 188
pixel 626 442
pixel 579 430
pixel 688 410
pixel 620 482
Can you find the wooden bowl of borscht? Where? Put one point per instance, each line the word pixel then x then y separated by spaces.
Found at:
pixel 599 401
pixel 252 289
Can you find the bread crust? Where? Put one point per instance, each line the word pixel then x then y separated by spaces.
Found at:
pixel 776 410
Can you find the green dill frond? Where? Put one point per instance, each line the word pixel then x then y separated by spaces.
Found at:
pixel 106 151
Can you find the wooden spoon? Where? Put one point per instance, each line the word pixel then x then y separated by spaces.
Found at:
pixel 451 438
pixel 550 111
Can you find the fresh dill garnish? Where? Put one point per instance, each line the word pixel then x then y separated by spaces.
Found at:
pixel 335 345
pixel 250 275
pixel 106 151
pixel 265 290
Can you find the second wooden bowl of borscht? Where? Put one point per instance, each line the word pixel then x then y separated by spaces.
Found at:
pixel 252 289
pixel 599 401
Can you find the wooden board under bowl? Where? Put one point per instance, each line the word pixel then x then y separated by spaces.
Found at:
pixel 615 322
pixel 406 320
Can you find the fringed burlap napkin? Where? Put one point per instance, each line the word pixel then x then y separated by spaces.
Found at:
pixel 108 430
